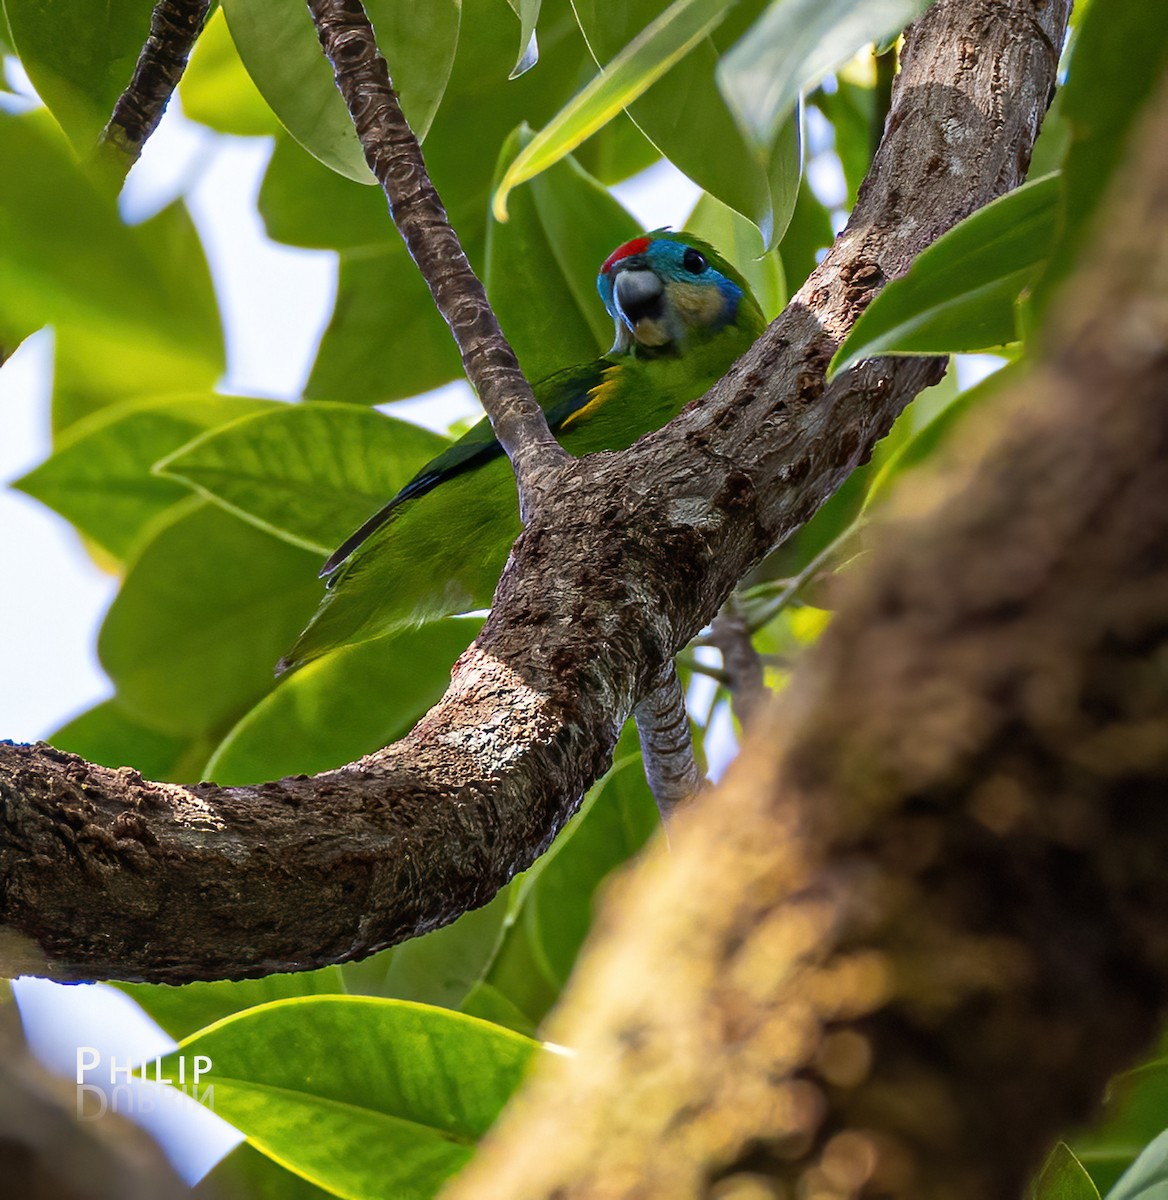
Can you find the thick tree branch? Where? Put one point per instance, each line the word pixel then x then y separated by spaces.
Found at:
pixel 174 26
pixel 395 158
pixel 926 918
pixel 631 556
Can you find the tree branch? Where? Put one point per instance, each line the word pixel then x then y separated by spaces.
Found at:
pixel 395 158
pixel 174 26
pixel 666 742
pixel 925 919
pixel 730 634
pixel 117 877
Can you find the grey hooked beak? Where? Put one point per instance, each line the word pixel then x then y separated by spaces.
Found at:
pixel 638 294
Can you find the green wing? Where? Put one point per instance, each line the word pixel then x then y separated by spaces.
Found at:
pixel 414 562
pixel 559 395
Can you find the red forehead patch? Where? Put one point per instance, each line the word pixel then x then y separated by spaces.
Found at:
pixel 636 246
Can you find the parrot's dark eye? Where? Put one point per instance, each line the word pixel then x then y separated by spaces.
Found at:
pixel 694 261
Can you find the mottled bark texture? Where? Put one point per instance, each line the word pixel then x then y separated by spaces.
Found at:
pixel 112 876
pixel 174 26
pixel 395 158
pixel 926 916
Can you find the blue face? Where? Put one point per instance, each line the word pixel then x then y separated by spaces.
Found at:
pixel 659 290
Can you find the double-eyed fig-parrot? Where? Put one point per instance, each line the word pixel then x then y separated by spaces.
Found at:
pixel 682 316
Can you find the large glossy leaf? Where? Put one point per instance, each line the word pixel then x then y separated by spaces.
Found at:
pixel 303 203
pixel 205 611
pixel 542 265
pixel 441 967
pixel 79 56
pixel 278 45
pixel 1063 1178
pixel 740 241
pixel 629 74
pixel 98 363
pixel 246 1174
pixel 961 293
pixel 1118 60
pixel 386 340
pixel 686 117
pixel 361 1096
pixel 67 258
pixel 310 473
pixel 616 820
pixel 99 476
pixel 343 706
pixel 793 46
pixel 216 89
pixel 109 735
pixel 182 1011
pixel 1147 1177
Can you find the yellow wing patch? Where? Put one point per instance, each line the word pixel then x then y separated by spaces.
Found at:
pixel 597 396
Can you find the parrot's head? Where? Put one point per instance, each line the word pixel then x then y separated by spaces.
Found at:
pixel 666 289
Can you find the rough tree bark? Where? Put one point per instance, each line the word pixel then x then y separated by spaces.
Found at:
pixel 113 876
pixel 926 916
pixel 174 26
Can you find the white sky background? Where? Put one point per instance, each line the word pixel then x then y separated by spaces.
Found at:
pixel 276 301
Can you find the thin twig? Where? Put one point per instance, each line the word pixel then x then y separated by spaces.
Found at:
pixel 666 743
pixel 395 158
pixel 174 26
pixel 730 634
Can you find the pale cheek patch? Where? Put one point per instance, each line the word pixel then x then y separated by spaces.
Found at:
pixel 697 304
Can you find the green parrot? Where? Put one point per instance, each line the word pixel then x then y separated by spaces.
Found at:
pixel 682 316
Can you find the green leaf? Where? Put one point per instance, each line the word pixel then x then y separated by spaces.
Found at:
pixel 740 241
pixel 278 45
pixel 566 224
pixel 616 820
pixel 109 735
pixel 617 151
pixel 1135 1112
pixel 661 44
pixel 685 115
pixel 343 705
pixel 216 89
pixel 309 473
pixel 205 611
pixel 960 293
pixel 808 232
pixel 182 1011
pixel 386 340
pixel 246 1174
pixel 100 363
pixel 1147 1177
pixel 793 46
pixel 1119 58
pixel 1063 1178
pixel 79 56
pixel 364 1097
pixel 99 477
pixel 441 967
pixel 67 258
pixel 303 203
pixel 528 13
pixel 922 445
